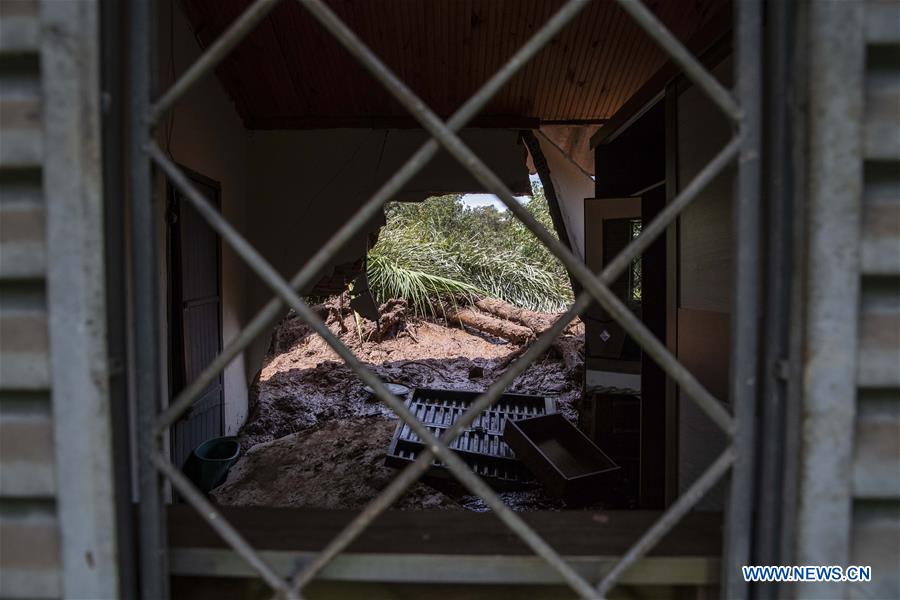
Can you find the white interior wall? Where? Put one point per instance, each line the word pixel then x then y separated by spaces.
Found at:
pixel 205 134
pixel 572 186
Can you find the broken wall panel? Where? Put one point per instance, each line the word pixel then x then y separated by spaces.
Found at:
pixel 572 185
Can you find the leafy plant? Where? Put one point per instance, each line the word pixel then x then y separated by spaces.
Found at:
pixel 400 266
pixel 440 249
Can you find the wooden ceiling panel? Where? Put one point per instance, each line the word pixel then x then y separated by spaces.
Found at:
pixel 291 73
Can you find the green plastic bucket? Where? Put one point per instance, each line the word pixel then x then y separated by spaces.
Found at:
pixel 212 459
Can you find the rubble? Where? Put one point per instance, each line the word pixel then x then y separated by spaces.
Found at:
pixel 316 438
pixel 336 465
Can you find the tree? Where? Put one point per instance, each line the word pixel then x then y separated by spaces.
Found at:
pixel 440 248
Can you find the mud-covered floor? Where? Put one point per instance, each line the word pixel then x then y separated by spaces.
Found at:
pixel 315 438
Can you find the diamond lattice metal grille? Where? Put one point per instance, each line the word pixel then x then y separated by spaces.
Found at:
pixel 744 144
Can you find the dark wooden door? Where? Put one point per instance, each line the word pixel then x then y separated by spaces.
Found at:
pixel 195 316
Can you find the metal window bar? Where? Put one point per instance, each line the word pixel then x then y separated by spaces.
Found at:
pixel 147 369
pixel 746 144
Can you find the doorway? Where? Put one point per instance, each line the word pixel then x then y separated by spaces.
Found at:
pixel 195 314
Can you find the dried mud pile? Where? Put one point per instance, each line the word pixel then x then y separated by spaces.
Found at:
pixel 315 438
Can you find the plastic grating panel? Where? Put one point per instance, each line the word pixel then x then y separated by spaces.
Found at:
pixel 481 445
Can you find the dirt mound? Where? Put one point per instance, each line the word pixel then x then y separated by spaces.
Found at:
pixel 308 408
pixel 305 383
pixel 338 465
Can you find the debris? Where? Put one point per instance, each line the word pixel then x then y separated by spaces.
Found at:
pixel 560 456
pixel 337 465
pixel 395 388
pixel 507 330
pixel 304 387
pixel 538 322
pixel 481 444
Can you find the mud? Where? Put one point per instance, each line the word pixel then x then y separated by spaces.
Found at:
pixel 316 438
pixel 337 465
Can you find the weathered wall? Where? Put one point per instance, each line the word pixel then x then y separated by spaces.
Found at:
pixel 57 504
pixel 30 563
pixel 848 507
pixel 876 455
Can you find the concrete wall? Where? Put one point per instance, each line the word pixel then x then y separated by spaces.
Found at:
pixel 849 468
pixel 875 533
pixel 58 525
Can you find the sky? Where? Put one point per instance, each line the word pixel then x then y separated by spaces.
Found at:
pixel 475 200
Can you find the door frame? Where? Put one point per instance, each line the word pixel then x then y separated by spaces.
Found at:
pixel 174 325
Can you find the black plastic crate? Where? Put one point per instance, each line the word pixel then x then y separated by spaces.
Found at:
pixel 562 458
pixel 481 445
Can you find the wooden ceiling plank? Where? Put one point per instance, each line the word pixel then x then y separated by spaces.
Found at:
pixel 568 105
pixel 206 25
pixel 618 29
pixel 444 50
pixel 514 90
pixel 702 43
pixel 352 15
pixel 641 52
pixel 544 71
